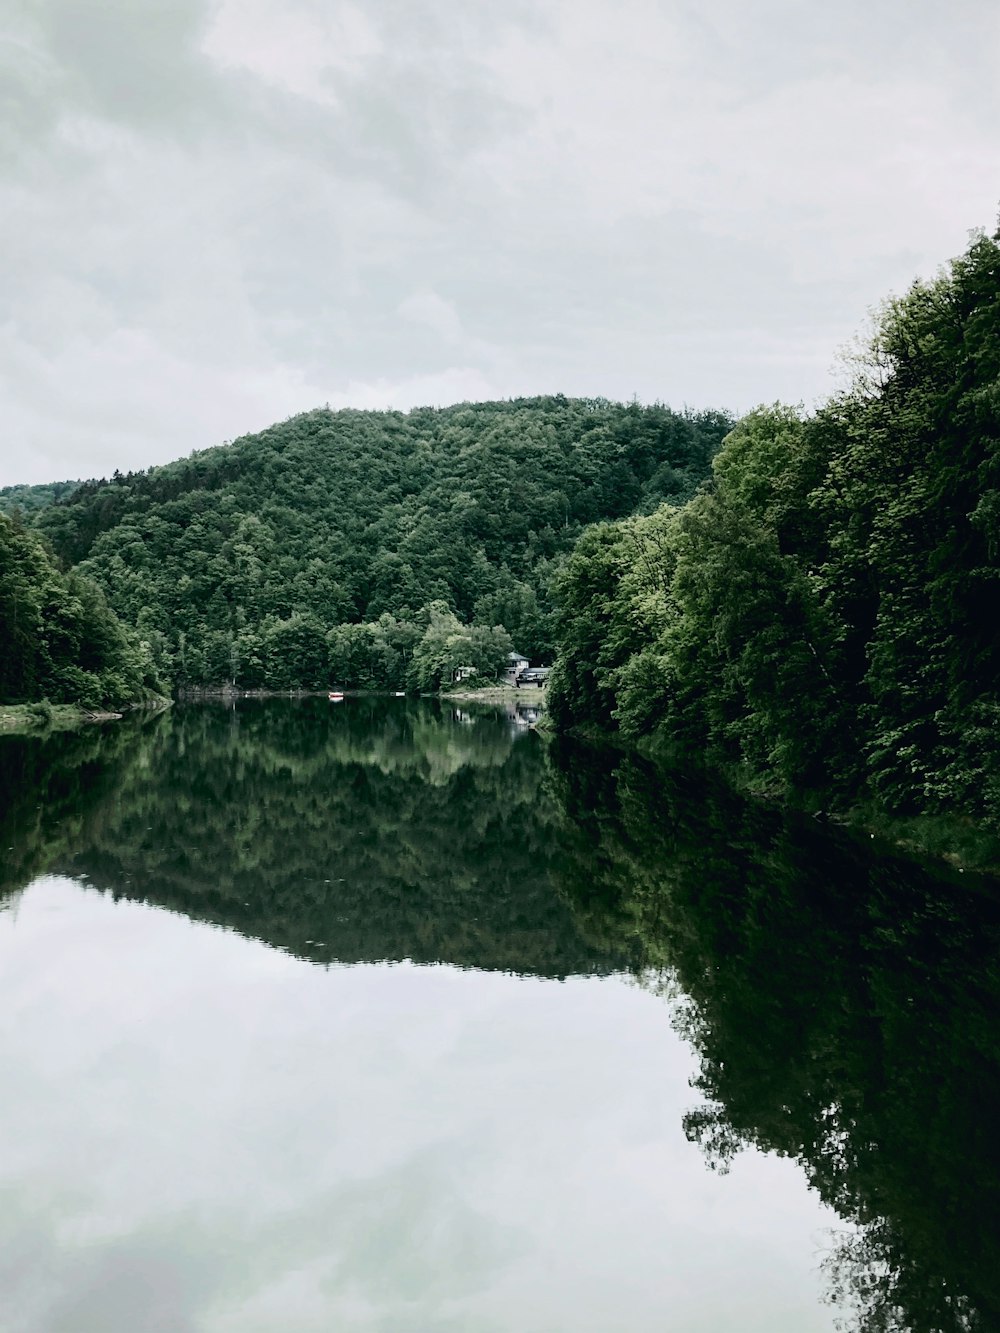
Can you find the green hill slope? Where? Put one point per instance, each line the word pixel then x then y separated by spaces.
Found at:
pixel 237 561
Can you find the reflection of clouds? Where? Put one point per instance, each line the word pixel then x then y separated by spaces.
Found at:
pixel 132 1285
pixel 156 1279
pixel 201 1130
pixel 404 1244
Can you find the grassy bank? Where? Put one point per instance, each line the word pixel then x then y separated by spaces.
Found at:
pixel 51 717
pixel 43 716
pixel 526 694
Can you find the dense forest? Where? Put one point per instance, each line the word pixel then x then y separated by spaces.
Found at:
pixel 372 548
pixel 843 1009
pixel 60 640
pixel 822 615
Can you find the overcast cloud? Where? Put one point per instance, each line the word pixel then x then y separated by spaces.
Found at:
pixel 216 213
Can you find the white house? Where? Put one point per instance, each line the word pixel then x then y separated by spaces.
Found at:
pixel 516 664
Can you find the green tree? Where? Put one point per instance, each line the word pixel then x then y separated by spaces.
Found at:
pixel 821 612
pixel 61 640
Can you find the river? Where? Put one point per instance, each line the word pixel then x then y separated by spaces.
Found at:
pixel 390 1016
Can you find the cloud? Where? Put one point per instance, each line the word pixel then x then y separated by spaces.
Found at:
pixel 297 48
pixel 214 211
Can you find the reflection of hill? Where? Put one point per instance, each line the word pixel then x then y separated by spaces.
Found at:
pixel 844 1008
pixel 373 830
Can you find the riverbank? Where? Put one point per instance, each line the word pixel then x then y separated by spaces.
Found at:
pixel 16 719
pixel 526 694
pixel 500 694
pixel 226 694
pixel 946 836
pixel 231 692
pixel 56 717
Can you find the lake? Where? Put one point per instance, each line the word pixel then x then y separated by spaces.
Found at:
pixel 389 1015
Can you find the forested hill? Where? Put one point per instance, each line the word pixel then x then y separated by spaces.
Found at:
pixel 239 561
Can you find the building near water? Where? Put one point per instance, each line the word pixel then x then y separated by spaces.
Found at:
pixel 516 666
pixel 534 675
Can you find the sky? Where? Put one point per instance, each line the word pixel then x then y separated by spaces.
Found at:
pixel 217 213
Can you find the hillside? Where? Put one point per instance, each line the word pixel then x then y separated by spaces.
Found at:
pixel 237 562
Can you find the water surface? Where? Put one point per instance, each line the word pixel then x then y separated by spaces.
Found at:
pixel 387 1016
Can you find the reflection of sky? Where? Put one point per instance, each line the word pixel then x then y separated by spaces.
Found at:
pixel 198 1133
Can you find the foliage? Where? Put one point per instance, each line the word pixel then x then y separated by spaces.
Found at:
pixel 28 500
pixel 822 613
pixel 237 561
pixel 61 640
pixel 447 645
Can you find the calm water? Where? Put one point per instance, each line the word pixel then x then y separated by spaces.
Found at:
pixel 383 1016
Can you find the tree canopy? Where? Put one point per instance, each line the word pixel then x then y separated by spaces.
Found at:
pixel 60 639
pixel 247 562
pixel 27 500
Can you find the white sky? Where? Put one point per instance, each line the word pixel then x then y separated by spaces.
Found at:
pixel 217 213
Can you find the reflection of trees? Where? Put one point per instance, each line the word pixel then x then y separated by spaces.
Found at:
pixel 844 1009
pixel 371 830
pixel 47 785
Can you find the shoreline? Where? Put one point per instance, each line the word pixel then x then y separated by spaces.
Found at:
pixel 532 694
pixel 946 838
pixel 40 716
pixel 529 694
pixel 22 718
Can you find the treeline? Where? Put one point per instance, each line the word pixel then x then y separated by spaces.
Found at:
pixel 249 562
pixel 60 641
pixel 823 613
pixel 387 654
